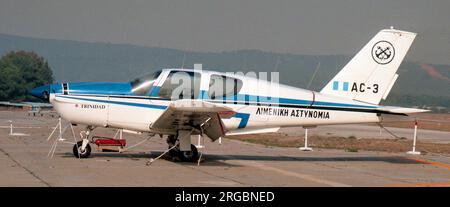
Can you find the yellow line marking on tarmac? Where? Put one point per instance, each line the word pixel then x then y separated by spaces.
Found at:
pixel 433 163
pixel 436 164
pixel 289 173
pixel 424 185
pixel 298 175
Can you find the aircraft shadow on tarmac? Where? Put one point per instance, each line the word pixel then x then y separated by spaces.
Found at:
pixel 141 156
pixel 389 159
pixel 214 159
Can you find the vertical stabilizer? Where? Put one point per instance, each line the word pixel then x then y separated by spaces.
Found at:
pixel 371 74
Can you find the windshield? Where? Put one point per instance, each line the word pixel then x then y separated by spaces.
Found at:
pixel 181 85
pixel 141 85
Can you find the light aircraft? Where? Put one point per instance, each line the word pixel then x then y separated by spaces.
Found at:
pixel 179 103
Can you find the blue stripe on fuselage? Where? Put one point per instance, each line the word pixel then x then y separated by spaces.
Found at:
pixel 153 106
pixel 122 88
pixel 275 100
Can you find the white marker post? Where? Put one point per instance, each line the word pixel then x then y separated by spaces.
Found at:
pixel 414 152
pixel 306 148
pixel 60 127
pixel 10 128
pixel 60 130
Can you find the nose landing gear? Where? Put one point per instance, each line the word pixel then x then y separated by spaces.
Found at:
pixel 82 149
pixel 79 152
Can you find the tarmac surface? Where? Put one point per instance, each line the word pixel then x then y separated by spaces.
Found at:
pixel 24 162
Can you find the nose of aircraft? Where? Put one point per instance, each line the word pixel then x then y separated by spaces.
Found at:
pixel 41 92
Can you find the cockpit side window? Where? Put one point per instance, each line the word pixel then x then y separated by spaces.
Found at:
pixel 221 86
pixel 181 85
pixel 142 85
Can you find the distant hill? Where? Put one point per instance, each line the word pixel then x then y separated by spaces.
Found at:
pixel 83 61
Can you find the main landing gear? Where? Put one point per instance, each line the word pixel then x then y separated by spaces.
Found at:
pixel 184 154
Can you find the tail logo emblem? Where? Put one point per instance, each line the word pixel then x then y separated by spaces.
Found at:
pixel 383 52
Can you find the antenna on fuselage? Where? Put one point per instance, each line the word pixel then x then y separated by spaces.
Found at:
pixel 276 63
pixel 313 76
pixel 184 58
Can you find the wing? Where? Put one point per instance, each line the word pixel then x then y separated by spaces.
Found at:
pixel 194 114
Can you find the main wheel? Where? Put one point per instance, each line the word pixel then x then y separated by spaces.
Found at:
pixel 189 156
pixel 83 154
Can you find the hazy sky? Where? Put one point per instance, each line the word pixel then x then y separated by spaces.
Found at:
pixel 294 26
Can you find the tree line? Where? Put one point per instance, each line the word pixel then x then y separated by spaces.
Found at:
pixel 21 71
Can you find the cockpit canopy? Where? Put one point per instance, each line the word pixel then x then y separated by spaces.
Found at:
pixel 185 84
pixel 142 85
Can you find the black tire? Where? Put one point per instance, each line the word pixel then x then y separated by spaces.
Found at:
pixel 174 152
pixel 189 156
pixel 85 154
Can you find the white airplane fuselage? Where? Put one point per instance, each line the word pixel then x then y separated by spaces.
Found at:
pixel 256 109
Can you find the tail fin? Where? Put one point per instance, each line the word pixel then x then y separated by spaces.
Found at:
pixel 370 75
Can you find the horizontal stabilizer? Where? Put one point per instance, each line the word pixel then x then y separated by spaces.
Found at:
pixel 252 131
pixel 401 110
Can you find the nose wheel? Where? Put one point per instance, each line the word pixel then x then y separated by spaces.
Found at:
pixel 79 152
